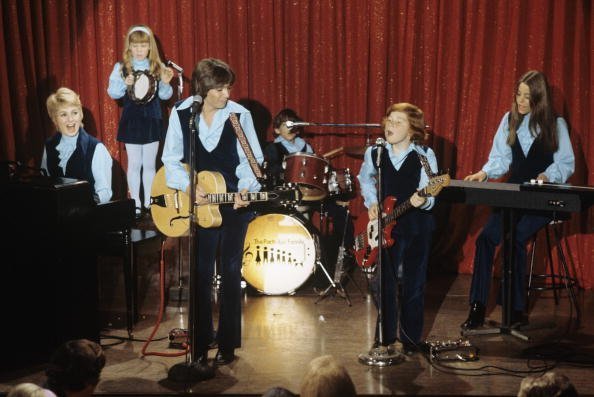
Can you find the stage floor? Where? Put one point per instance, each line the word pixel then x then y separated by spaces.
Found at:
pixel 282 333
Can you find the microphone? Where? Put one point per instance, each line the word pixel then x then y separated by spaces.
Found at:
pixel 196 103
pixel 379 144
pixel 293 124
pixel 175 66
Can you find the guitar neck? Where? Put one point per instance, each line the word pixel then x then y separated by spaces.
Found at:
pixel 398 211
pixel 229 198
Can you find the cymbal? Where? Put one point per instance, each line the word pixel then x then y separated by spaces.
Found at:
pixel 356 150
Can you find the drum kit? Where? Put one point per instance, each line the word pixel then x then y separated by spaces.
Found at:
pixel 282 250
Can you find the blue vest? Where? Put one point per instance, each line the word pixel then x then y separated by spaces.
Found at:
pixel 402 184
pixel 79 164
pixel 526 167
pixel 223 159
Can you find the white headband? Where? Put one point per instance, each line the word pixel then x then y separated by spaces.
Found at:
pixel 139 29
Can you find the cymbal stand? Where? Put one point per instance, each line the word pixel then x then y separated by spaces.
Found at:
pixel 336 284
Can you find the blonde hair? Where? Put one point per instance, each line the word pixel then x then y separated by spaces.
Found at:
pixel 61 98
pixel 29 390
pixel 326 377
pixel 550 384
pixel 138 34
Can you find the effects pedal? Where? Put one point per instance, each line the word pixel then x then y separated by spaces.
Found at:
pixel 457 350
pixel 178 338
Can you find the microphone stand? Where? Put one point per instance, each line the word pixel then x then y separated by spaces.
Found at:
pixel 380 355
pixel 191 370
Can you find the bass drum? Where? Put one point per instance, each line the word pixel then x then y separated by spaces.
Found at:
pixel 279 254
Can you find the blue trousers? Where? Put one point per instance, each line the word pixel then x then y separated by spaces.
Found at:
pixel 413 252
pixel 486 243
pixel 227 242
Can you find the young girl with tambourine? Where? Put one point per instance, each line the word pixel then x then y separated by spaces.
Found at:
pixel 142 80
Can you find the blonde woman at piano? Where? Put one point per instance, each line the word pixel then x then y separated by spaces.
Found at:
pixel 530 143
pixel 72 152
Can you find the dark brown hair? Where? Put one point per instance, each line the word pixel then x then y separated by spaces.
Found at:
pixel 542 114
pixel 211 73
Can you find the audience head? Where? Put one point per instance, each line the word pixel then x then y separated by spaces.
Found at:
pixel 550 384
pixel 278 392
pixel 29 390
pixel 75 367
pixel 65 110
pixel 326 377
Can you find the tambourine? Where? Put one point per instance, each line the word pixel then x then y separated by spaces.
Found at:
pixel 144 88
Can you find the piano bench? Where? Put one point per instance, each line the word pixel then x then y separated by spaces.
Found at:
pixel 125 244
pixel 553 280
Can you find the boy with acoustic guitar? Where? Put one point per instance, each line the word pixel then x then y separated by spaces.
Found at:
pixel 219 122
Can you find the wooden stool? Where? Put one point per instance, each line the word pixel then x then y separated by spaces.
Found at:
pixel 551 280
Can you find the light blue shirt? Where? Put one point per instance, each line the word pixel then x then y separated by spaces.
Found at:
pixel 117 87
pixel 173 149
pixel 500 156
pixel 295 146
pixel 368 174
pixel 100 165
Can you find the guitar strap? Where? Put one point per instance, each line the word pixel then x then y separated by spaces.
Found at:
pixel 246 146
pixel 426 165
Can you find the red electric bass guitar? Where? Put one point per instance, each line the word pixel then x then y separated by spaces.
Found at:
pixel 367 232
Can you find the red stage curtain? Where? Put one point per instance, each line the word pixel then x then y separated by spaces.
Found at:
pixel 332 61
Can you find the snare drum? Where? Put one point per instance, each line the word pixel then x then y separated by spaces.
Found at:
pixel 341 185
pixel 144 88
pixel 279 253
pixel 309 172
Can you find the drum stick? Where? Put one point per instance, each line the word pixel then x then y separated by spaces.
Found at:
pixel 333 153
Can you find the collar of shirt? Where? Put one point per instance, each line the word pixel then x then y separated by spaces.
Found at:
pixel 292 147
pixel 65 148
pixel 525 135
pixel 140 65
pixel 398 158
pixel 210 136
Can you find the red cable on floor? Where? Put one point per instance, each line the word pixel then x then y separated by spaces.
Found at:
pixel 160 315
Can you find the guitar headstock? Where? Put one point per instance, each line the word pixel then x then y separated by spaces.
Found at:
pixel 435 185
pixel 286 195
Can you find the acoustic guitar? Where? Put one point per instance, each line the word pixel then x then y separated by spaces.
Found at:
pixel 170 208
pixel 367 232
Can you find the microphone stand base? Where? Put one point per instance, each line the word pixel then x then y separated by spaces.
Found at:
pixel 381 356
pixel 190 372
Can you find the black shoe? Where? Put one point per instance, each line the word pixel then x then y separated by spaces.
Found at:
pixel 518 318
pixel 224 357
pixel 476 317
pixel 202 358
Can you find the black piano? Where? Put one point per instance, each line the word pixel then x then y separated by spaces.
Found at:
pixel 49 277
pixel 509 197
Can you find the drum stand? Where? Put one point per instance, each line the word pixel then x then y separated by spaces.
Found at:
pixel 336 283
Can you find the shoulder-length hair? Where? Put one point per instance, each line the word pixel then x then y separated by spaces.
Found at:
pixel 542 115
pixel 211 73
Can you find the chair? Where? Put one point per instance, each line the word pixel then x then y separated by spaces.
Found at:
pixel 552 280
pixel 125 244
